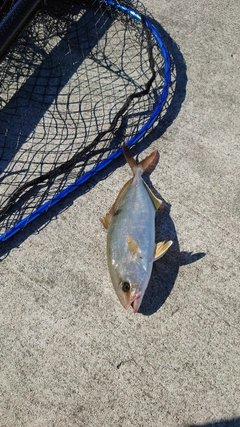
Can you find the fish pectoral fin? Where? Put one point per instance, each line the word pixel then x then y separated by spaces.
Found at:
pixel 161 249
pixel 105 220
pixel 133 246
pixel 157 203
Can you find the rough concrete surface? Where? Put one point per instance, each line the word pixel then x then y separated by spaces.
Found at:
pixel 70 355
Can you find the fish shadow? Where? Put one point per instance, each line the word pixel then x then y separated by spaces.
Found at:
pixel 165 270
pixel 233 422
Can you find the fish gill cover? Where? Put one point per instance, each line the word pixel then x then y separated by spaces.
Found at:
pixel 77 80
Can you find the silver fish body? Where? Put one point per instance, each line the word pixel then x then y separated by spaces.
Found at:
pixel 132 223
pixel 131 247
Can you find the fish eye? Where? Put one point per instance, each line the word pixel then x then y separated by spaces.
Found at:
pixel 125 286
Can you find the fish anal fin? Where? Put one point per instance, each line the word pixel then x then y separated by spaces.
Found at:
pixel 133 246
pixel 106 220
pixel 161 249
pixel 157 203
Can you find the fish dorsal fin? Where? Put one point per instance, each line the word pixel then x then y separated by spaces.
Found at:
pixel 133 246
pixel 157 203
pixel 161 249
pixel 105 220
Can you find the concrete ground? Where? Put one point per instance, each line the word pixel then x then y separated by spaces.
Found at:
pixel 70 355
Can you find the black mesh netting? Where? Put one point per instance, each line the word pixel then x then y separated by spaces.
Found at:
pixel 81 78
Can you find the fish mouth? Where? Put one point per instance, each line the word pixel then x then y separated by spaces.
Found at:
pixel 135 301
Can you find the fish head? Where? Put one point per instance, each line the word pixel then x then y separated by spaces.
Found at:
pixel 129 295
pixel 129 289
pixel 130 272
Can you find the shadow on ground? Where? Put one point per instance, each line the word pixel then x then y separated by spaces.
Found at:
pixel 165 270
pixel 234 422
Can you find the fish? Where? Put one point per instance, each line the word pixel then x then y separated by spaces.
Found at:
pixel 130 224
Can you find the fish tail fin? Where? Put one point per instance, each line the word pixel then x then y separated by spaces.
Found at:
pixel 147 164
